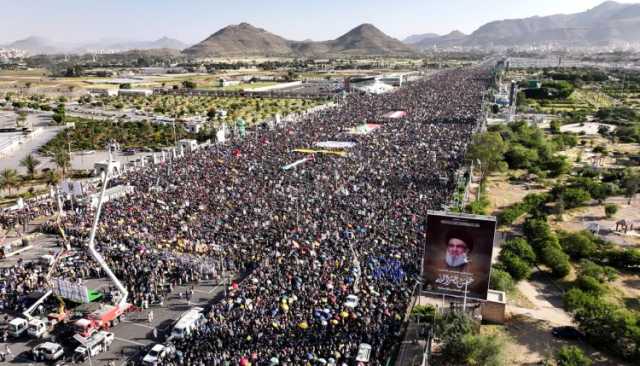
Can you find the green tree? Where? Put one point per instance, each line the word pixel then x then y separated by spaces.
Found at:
pixel 578 245
pixel 520 248
pixel 501 280
pixel 31 164
pixel 575 197
pixel 487 149
pixel 572 356
pixel 9 179
pixel 631 185
pixel 52 178
pixel 22 118
pixel 518 268
pixel 62 160
pixel 483 350
pixel 610 209
pixel 189 84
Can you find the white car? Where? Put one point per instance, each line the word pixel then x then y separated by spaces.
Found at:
pixel 47 351
pixel 108 337
pixel 155 355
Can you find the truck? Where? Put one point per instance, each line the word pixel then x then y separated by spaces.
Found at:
pixel 93 345
pixel 105 317
pixel 18 327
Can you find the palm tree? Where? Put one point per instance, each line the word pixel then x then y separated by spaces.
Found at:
pixel 62 160
pixel 52 178
pixel 9 179
pixel 31 164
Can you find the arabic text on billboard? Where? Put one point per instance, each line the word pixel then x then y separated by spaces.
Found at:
pixel 458 254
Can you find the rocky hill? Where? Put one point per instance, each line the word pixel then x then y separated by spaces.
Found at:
pixel 246 40
pixel 609 24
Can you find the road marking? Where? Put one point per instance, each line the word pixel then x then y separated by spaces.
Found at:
pixel 129 341
pixel 215 288
pixel 138 324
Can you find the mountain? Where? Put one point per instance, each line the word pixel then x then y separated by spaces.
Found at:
pixel 124 45
pixel 34 45
pixel 417 38
pixel 448 40
pixel 239 41
pixel 367 40
pixel 244 40
pixel 608 24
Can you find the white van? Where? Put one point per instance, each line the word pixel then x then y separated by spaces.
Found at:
pixel 187 323
pixel 18 327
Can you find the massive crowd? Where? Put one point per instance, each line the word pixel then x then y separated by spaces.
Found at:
pixel 307 237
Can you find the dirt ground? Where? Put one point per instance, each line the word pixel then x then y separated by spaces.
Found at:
pixel 577 219
pixel 530 342
pixel 503 193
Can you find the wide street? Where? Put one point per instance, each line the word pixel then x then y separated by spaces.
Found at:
pixel 135 334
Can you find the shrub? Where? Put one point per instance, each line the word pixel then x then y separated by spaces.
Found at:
pixel 575 299
pixel 426 313
pixel 572 356
pixel 518 268
pixel 578 245
pixel 501 280
pixel 590 284
pixel 511 214
pixel 557 260
pixel 575 197
pixel 610 209
pixel 520 248
pixel 483 350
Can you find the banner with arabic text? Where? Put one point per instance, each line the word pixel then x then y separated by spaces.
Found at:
pixel 458 251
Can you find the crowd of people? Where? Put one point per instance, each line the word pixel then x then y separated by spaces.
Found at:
pixel 309 239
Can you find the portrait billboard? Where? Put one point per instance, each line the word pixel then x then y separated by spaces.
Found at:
pixel 457 256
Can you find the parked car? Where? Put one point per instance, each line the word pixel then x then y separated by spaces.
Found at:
pixel 47 351
pixel 157 353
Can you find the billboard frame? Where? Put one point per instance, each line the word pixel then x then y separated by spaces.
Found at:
pixel 463 216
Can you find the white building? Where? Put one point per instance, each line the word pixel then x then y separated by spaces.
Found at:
pixel 102 92
pixel 135 92
pixel 113 167
pixel 224 82
pixel 188 145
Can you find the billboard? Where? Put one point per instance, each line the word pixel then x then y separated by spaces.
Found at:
pixel 70 290
pixel 457 256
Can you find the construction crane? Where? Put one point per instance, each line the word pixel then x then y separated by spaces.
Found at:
pixel 108 315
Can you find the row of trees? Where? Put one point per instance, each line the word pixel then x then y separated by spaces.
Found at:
pixel 10 180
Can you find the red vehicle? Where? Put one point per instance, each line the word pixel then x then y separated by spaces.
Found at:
pixel 104 318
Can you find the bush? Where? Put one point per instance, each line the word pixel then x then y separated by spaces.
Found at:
pixel 426 313
pixel 518 268
pixel 575 197
pixel 520 248
pixel 575 299
pixel 602 273
pixel 557 260
pixel 610 209
pixel 578 245
pixel 501 280
pixel 590 285
pixel 483 350
pixel 478 207
pixel 572 356
pixel 511 214
pixel 520 157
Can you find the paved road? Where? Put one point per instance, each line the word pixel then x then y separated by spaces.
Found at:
pixel 133 334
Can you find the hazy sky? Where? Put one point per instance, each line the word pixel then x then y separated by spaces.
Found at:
pixel 193 20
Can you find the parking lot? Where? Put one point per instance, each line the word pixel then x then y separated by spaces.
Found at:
pixel 133 336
